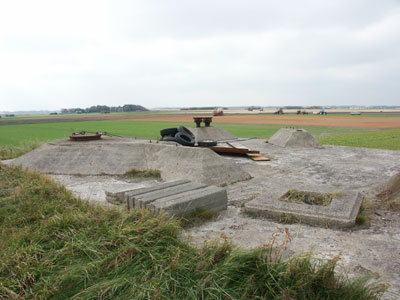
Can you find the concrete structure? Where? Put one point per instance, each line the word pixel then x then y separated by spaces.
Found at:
pixel 176 198
pixel 289 137
pixel 211 133
pixel 113 156
pixel 342 212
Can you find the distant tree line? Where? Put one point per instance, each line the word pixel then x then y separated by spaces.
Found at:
pixel 104 109
pixel 202 108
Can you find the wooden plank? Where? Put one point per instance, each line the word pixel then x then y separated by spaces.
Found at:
pixel 233 150
pixel 258 157
pixel 237 145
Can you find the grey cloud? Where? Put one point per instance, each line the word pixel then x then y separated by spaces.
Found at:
pixel 192 53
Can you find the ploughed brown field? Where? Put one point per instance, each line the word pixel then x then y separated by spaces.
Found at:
pixel 287 119
pixel 297 120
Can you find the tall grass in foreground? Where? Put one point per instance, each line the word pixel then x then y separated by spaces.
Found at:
pixel 54 246
pixel 11 151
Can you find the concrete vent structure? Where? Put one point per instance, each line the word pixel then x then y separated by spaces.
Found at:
pixel 288 137
pixel 211 133
pixel 112 156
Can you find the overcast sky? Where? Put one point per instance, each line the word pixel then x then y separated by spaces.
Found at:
pixel 78 53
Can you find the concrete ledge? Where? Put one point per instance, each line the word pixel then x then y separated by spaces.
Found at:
pixel 179 197
pixel 112 156
pixel 342 212
pixel 119 197
pixel 209 198
pixel 287 137
pixel 211 133
pixel 143 200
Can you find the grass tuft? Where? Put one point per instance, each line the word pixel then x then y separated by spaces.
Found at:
pixel 311 198
pixel 149 173
pixel 197 217
pixel 11 151
pixel 55 246
pixel 365 213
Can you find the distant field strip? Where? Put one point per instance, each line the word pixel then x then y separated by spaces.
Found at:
pixel 382 139
pixel 16 135
pixel 363 121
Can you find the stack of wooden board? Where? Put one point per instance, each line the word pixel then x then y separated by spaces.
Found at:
pixel 237 148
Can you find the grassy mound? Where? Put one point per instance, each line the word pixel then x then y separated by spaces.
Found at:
pixel 54 246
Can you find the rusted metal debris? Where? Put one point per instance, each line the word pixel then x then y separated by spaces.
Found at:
pixel 232 150
pixel 236 148
pixel 84 136
pixel 207 121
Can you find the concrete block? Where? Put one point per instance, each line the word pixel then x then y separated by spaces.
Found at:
pixel 211 133
pixel 116 156
pixel 129 197
pixel 342 211
pixel 176 198
pixel 142 200
pixel 209 198
pixel 287 137
pixel 117 196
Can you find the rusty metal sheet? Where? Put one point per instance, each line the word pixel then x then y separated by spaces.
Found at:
pixel 85 137
pixel 233 150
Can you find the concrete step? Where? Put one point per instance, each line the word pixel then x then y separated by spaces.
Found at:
pixel 119 197
pixel 180 197
pixel 206 198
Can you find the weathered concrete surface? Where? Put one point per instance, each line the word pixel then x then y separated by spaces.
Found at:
pixel 332 169
pixel 288 137
pixel 207 198
pixel 211 133
pixel 112 156
pixel 342 212
pixel 176 198
pixel 124 194
pixel 93 188
pixel 143 197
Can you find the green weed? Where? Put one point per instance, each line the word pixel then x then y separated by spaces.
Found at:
pixel 365 213
pixel 311 198
pixel 198 217
pixel 10 151
pixel 288 219
pixel 148 173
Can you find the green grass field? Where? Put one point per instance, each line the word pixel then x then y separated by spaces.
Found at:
pixel 15 135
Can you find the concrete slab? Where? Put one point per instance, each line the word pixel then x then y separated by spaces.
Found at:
pixel 208 198
pixel 211 133
pixel 120 196
pixel 93 188
pixel 113 156
pixel 142 201
pixel 289 137
pixel 342 212
pixel 332 169
pixel 176 198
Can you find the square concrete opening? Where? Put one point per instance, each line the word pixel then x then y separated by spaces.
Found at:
pixel 341 212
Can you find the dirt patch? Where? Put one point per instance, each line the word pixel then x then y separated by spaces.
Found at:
pixel 329 121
